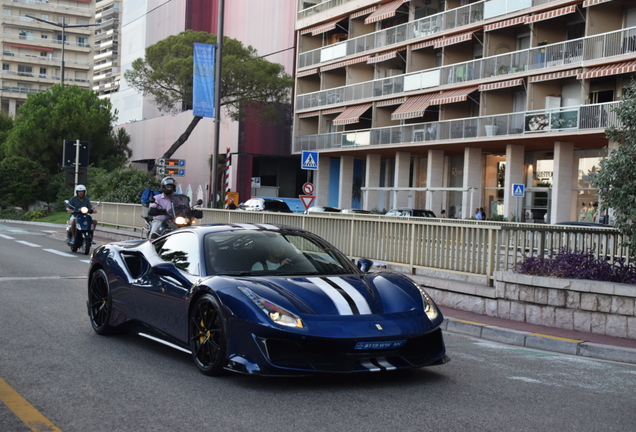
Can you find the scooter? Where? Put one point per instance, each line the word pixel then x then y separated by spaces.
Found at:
pixel 179 215
pixel 83 229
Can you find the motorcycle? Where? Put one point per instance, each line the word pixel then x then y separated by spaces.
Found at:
pixel 83 229
pixel 179 215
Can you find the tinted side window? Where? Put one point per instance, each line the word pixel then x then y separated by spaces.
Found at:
pixel 182 249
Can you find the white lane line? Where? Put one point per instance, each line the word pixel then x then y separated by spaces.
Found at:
pixel 86 261
pixel 7 237
pixel 27 243
pixel 59 253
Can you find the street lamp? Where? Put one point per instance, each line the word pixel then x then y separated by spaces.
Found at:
pixel 64 26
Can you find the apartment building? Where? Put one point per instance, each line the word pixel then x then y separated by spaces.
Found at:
pixel 461 104
pixel 33 49
pixel 106 66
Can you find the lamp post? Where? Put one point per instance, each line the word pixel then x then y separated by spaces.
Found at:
pixel 63 26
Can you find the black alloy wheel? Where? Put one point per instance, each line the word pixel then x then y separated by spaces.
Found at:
pixel 100 303
pixel 208 336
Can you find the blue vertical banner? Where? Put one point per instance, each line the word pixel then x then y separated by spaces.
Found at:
pixel 203 87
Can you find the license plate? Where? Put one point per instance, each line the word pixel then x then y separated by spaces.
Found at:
pixel 379 345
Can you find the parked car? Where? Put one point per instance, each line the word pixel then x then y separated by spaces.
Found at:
pixel 266 205
pixel 323 209
pixel 263 300
pixel 410 212
pixel 356 211
pixel 294 204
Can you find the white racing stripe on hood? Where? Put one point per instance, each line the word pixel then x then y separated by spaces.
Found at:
pixel 341 303
pixel 358 299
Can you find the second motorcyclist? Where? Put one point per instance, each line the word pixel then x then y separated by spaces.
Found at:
pixel 163 203
pixel 76 203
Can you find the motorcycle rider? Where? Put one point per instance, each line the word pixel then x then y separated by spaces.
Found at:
pixel 76 203
pixel 163 202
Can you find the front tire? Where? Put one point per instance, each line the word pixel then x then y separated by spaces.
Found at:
pixel 87 246
pixel 208 337
pixel 100 303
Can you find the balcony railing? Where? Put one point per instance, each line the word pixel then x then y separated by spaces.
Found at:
pixel 40 3
pixel 33 57
pixel 570 53
pixel 582 117
pixel 430 25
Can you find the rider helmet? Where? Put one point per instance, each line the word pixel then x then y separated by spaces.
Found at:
pixel 80 188
pixel 168 181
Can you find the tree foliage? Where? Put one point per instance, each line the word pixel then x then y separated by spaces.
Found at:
pixel 616 179
pixel 166 73
pixel 123 185
pixel 48 118
pixel 23 182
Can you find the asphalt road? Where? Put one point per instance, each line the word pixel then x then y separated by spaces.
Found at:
pixel 80 381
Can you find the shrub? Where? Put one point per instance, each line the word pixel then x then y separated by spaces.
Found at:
pixel 577 265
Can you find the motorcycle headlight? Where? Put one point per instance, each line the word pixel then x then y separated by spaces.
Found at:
pixel 276 313
pixel 84 210
pixel 180 220
pixel 430 308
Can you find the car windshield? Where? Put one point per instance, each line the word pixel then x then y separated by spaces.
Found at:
pixel 276 206
pixel 258 253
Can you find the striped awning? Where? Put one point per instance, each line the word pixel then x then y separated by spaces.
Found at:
pixel 389 102
pixel 363 12
pixel 306 72
pixel 351 114
pixel 385 11
pixel 413 107
pixel 606 70
pixel 309 114
pixel 383 56
pixel 333 110
pixel 31 47
pixel 321 28
pixel 452 96
pixel 428 43
pixel 506 23
pixel 501 84
pixel 588 3
pixel 554 75
pixel 550 14
pixel 345 63
pixel 450 40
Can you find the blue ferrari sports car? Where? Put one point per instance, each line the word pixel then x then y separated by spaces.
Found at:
pixel 263 299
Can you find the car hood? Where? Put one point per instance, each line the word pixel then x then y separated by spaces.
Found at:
pixel 343 295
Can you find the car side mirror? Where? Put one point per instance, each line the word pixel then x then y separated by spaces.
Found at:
pixel 365 265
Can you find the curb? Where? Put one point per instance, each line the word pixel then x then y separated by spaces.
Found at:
pixel 540 341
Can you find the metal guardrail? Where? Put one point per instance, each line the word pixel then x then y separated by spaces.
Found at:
pixel 461 246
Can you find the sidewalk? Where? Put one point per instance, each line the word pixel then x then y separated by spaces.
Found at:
pixel 479 326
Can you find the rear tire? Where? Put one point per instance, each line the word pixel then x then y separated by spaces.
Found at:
pixel 100 303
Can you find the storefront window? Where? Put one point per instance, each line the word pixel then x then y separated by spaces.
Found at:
pixel 587 163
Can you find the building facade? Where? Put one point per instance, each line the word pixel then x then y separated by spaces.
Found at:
pixel 106 47
pixel 33 51
pixel 460 104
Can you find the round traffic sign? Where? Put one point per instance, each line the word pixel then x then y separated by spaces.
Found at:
pixel 308 188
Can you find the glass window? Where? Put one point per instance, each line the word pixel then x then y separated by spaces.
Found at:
pixel 26 34
pixel 5 66
pixel 6 12
pixel 182 249
pixel 25 69
pixel 82 41
pixel 42 71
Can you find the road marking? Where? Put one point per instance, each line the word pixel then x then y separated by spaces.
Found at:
pixel 86 261
pixel 59 253
pixel 556 337
pixel 27 243
pixel 7 237
pixel 24 410
pixel 23 278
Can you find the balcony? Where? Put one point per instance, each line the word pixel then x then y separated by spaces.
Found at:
pixel 45 5
pixel 520 124
pixel 571 53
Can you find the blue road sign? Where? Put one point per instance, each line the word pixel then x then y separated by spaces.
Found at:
pixel 518 190
pixel 309 160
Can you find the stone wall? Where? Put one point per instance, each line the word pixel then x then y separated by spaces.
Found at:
pixel 581 305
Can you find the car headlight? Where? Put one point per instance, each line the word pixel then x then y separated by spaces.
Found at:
pixel 430 308
pixel 276 313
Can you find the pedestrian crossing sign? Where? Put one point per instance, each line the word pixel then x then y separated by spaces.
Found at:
pixel 518 190
pixel 309 160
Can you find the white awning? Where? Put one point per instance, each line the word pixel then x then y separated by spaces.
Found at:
pixel 607 70
pixel 452 96
pixel 413 107
pixel 550 14
pixel 501 84
pixel 554 75
pixel 385 11
pixel 450 40
pixel 506 23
